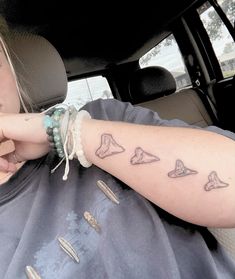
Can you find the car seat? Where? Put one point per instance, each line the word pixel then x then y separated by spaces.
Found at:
pixel 155 88
pixel 39 67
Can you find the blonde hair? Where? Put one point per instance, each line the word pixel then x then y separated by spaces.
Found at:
pixel 25 101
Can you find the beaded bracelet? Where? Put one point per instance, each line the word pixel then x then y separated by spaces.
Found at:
pixel 81 115
pixel 52 125
pixel 64 135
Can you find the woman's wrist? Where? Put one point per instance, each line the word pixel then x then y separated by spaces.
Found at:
pixel 81 117
pixel 86 128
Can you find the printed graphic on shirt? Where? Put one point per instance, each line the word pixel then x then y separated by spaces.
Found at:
pixel 71 251
pixel 53 262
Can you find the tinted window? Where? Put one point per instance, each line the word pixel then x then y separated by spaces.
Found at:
pixel 220 38
pixel 168 55
pixel 85 90
pixel 228 6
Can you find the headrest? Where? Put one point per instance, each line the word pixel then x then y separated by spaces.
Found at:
pixel 40 68
pixel 151 83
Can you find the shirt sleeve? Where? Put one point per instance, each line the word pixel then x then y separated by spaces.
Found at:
pixel 115 110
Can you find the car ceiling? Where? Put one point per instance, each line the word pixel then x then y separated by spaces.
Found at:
pixel 92 36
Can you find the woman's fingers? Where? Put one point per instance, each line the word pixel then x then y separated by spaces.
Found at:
pixel 12 157
pixel 7 162
pixel 29 151
pixel 6 147
pixel 21 152
pixel 6 165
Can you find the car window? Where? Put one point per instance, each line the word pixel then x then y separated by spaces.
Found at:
pixel 228 6
pixel 221 40
pixel 85 90
pixel 167 54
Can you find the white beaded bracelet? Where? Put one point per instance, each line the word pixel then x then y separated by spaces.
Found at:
pixel 77 148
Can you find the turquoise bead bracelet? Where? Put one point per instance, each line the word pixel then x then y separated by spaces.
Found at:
pixel 51 123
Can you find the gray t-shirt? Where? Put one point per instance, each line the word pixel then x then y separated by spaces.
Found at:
pixel 136 240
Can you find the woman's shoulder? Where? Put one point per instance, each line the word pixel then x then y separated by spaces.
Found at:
pixel 107 109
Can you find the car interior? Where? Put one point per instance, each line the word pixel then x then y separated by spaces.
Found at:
pixel 154 87
pixel 53 44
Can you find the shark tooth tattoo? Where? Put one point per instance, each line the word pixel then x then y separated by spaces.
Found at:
pixel 142 157
pixel 108 147
pixel 214 182
pixel 180 170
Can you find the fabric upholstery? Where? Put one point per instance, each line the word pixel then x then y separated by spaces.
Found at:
pixel 151 83
pixel 184 105
pixel 40 68
pixel 154 88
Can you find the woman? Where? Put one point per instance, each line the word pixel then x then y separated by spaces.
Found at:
pixel 79 221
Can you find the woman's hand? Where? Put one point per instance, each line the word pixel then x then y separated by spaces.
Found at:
pixel 28 135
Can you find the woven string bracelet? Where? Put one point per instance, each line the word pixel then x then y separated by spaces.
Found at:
pixel 63 127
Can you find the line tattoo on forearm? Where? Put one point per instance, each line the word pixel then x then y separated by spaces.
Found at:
pixel 108 147
pixel 180 170
pixel 142 157
pixel 214 182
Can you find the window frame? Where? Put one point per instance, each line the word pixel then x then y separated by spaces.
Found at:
pixel 92 75
pixel 223 17
pixel 203 39
pixel 181 54
pixel 203 42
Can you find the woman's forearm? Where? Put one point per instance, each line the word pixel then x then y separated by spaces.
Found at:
pixel 188 172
